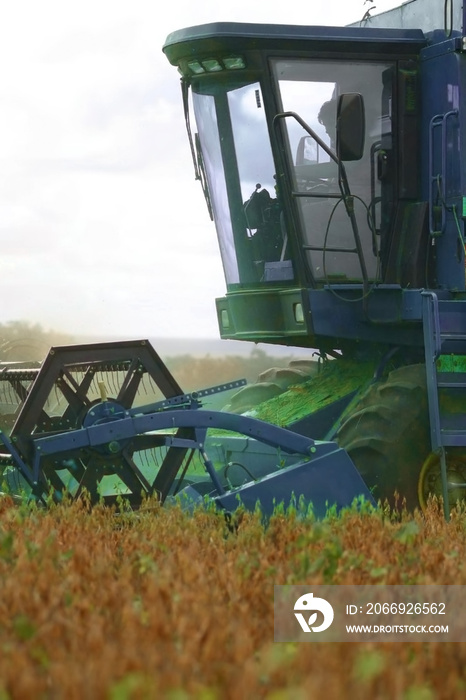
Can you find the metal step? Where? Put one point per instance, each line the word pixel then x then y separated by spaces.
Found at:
pixel 453 430
pixel 452 345
pixel 452 335
pixel 451 380
pixel 450 422
pixel 453 438
pixel 452 319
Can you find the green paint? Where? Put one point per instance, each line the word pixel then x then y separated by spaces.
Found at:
pixel 451 363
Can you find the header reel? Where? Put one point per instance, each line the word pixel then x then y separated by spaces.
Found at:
pixel 77 389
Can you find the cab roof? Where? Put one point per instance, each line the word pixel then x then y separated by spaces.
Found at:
pixel 237 36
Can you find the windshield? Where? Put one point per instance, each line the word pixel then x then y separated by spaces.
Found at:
pixel 311 89
pixel 206 120
pixel 240 173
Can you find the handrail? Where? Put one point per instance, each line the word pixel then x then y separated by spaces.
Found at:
pixel 438 181
pixel 431 320
pixel 342 181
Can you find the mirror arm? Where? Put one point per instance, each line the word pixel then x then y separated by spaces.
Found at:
pixel 310 131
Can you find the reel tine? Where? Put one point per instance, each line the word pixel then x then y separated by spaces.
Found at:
pixel 110 382
pixel 115 378
pixel 115 383
pixel 99 381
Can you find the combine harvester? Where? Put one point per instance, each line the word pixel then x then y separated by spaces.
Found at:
pixel 332 162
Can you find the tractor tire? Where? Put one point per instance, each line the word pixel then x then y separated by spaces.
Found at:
pixel 271 383
pixel 247 398
pixel 387 435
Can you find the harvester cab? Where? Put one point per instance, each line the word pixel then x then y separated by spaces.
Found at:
pixel 332 163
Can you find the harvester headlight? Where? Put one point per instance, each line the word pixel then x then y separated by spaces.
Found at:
pixel 211 65
pixel 298 312
pixel 225 319
pixel 234 63
pixel 196 68
pixel 215 65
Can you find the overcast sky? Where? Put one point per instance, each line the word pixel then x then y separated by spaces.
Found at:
pixel 103 230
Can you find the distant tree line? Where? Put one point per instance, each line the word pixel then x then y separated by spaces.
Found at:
pixel 24 341
pixel 194 373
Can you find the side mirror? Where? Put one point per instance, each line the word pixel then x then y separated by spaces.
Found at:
pixel 351 126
